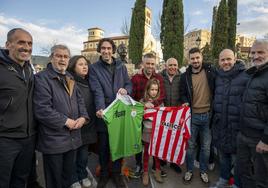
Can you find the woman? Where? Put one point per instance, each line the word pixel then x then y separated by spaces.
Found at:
pixel 78 67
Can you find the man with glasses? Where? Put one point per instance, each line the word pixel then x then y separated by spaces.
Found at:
pixel 60 111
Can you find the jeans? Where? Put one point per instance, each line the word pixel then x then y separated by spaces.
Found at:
pixel 104 156
pixel 253 166
pixel 16 157
pixel 200 125
pixel 81 163
pixel 227 163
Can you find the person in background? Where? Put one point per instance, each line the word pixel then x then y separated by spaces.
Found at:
pixel 79 67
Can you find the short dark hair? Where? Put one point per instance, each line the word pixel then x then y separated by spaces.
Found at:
pixel 73 62
pixel 12 32
pixel 149 55
pixel 194 50
pixel 106 40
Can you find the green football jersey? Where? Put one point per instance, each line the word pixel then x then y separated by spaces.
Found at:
pixel 123 118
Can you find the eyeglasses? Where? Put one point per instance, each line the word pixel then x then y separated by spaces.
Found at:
pixel 61 56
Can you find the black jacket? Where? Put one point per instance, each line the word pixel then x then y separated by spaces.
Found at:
pixel 186 87
pixel 229 89
pixel 254 122
pixel 88 131
pixel 16 89
pixel 54 102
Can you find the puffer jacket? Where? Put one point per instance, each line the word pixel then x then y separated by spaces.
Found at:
pixel 254 121
pixel 229 89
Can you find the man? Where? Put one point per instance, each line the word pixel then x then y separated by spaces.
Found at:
pixel 171 78
pixel 17 127
pixel 230 84
pixel 252 154
pixel 107 77
pixel 60 111
pixel 139 82
pixel 196 90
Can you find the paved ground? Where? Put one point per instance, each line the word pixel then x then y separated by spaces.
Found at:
pixel 172 180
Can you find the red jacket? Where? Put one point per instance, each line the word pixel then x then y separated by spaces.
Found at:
pixel 139 82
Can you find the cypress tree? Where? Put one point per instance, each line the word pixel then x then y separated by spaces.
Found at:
pixel 207 54
pixel 172 30
pixel 232 12
pixel 220 35
pixel 136 33
pixel 214 17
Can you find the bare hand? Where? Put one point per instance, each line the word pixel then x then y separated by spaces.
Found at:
pixel 79 122
pixel 99 113
pixel 70 123
pixel 149 105
pixel 185 104
pixel 122 91
pixel 262 147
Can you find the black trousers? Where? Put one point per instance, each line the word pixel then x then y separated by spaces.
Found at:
pixel 59 169
pixel 252 166
pixel 15 161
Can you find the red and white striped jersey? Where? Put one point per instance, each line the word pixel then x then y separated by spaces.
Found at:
pixel 170 132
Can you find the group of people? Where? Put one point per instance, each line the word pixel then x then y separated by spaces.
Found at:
pixel 59 112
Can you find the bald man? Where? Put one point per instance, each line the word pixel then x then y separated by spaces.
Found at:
pixel 230 84
pixel 253 138
pixel 171 78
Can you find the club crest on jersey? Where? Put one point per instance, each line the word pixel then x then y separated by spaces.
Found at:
pixel 133 113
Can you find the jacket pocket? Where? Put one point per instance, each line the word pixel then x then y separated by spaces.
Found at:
pixel 262 110
pixel 5 103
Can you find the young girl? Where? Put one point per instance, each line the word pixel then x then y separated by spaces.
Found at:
pixel 152 93
pixel 78 67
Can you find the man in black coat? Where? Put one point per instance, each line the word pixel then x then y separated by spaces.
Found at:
pixel 230 84
pixel 17 126
pixel 196 90
pixel 252 143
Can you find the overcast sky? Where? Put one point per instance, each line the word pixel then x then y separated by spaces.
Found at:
pixel 67 21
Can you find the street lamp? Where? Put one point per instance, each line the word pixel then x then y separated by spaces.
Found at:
pixel 198 42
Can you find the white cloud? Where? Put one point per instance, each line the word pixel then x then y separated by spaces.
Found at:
pixel 196 13
pixel 257 26
pixel 44 36
pixel 262 10
pixel 251 2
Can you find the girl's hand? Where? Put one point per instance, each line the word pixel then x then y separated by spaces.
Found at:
pixel 149 105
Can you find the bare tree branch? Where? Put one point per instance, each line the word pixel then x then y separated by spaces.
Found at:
pixel 125 27
pixel 46 49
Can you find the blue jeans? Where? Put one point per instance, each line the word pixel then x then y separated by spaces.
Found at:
pixel 227 163
pixel 200 125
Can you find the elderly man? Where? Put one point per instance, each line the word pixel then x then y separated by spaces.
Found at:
pixel 252 154
pixel 171 78
pixel 60 111
pixel 230 84
pixel 17 127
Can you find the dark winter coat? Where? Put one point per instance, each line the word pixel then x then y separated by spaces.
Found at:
pixel 16 113
pixel 254 122
pixel 54 101
pixel 186 86
pixel 105 85
pixel 88 131
pixel 172 89
pixel 229 89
